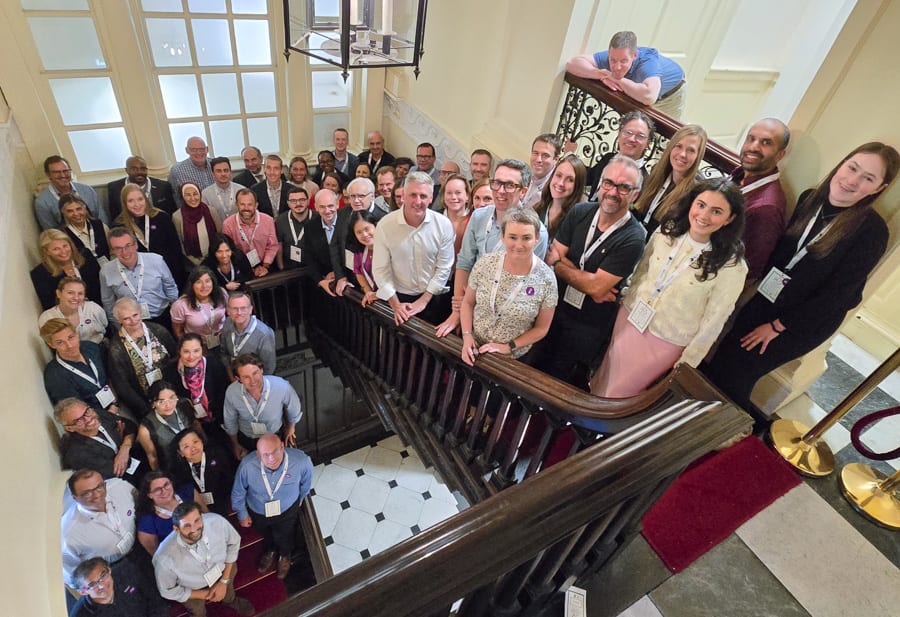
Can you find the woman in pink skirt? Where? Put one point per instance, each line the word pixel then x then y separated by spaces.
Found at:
pixel 682 292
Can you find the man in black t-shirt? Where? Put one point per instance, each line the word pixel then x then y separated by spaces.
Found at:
pixel 597 247
pixel 105 595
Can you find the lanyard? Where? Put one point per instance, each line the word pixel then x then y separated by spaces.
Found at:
pixel 165 512
pixel 201 479
pixel 252 235
pixel 761 182
pixel 801 247
pixel 147 354
pixel 297 237
pixel 197 399
pixel 662 281
pixel 96 379
pixel 244 337
pixel 513 294
pixel 657 199
pixel 194 550
pixel 365 258
pixel 169 426
pixel 262 472
pixel 106 440
pixel 91 243
pixel 112 517
pixel 210 316
pixel 267 390
pixel 145 238
pixel 606 234
pixel 128 284
pixel 228 278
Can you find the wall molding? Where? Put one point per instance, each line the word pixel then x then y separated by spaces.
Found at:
pixel 419 128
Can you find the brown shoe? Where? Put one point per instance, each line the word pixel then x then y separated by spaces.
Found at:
pixel 284 565
pixel 265 561
pixel 242 606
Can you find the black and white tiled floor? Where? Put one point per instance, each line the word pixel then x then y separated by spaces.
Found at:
pixel 375 497
pixel 808 554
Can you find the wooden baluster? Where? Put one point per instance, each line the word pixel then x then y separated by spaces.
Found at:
pixel 462 409
pixel 477 603
pixel 485 460
pixel 438 427
pixel 470 448
pixel 537 459
pixel 392 343
pixel 411 376
pixel 577 562
pixel 542 583
pixel 428 413
pixel 402 356
pixel 383 347
pixel 506 601
pixel 423 380
pixel 505 475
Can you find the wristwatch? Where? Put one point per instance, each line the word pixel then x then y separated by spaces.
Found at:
pixel 225 580
pixel 512 345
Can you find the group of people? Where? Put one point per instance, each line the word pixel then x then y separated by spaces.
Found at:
pixel 605 275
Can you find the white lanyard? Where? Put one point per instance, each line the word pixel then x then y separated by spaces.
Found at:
pixel 169 426
pixel 267 389
pixel 210 315
pixel 297 237
pixel 229 278
pixel 112 515
pixel 193 550
pixel 145 239
pixel 252 235
pixel 147 354
pixel 91 244
pixel 801 247
pixel 262 472
pixel 106 440
pixel 165 512
pixel 244 337
pixel 488 228
pixel 657 199
pixel 513 294
pixel 95 381
pixel 662 281
pixel 761 182
pixel 606 234
pixel 202 383
pixel 140 285
pixel 366 275
pixel 201 479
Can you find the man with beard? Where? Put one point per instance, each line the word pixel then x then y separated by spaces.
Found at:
pixel 290 226
pixel 196 564
pixel 158 191
pixel 764 146
pixel 597 246
pixel 253 232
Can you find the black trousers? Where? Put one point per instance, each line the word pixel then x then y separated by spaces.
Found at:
pixel 279 532
pixel 436 312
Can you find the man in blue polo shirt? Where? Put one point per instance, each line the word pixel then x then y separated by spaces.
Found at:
pixel 641 73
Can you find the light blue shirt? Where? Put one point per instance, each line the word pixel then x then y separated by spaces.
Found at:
pixel 46 206
pixel 249 490
pixel 157 291
pixel 283 400
pixel 483 236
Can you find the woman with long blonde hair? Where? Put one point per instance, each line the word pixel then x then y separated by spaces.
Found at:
pixel 153 228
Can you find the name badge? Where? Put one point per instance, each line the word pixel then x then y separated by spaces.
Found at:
pixel 105 397
pixel 772 284
pixel 153 376
pixel 640 316
pixel 273 508
pixel 295 254
pixel 199 412
pixel 133 464
pixel 212 575
pixel 258 428
pixel 573 297
pixel 207 498
pixel 253 258
pixel 102 260
pixel 212 341
pixel 124 545
pixel 348 259
pixel 145 310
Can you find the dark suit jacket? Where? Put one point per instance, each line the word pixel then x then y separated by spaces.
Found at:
pixel 317 253
pixel 100 241
pixel 160 191
pixel 341 233
pixel 245 177
pixel 78 451
pixel 45 285
pixel 386 159
pixel 260 189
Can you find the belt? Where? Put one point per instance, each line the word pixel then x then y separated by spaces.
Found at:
pixel 673 90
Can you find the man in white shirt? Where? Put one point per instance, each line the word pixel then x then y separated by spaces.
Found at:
pixel 221 194
pixel 413 255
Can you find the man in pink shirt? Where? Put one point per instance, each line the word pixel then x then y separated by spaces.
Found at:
pixel 253 232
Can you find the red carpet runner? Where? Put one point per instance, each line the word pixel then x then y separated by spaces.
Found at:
pixel 712 498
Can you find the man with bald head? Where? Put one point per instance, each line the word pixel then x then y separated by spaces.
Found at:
pixel 376 156
pixel 195 168
pixel 159 192
pixel 758 178
pixel 269 487
pixel 320 243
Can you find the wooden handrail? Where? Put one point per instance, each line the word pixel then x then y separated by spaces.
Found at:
pixel 481 544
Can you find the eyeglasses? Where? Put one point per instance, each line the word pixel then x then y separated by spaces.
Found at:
pixel 91 491
pixel 360 196
pixel 100 580
pixel 630 133
pixel 622 189
pixel 161 489
pixel 60 172
pixel 499 185
pixel 119 249
pixel 299 200
pixel 197 150
pixel 424 156
pixel 240 309
pixel 167 401
pixel 83 419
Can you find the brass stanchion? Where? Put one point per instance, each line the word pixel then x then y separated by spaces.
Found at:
pixel 872 493
pixel 804 448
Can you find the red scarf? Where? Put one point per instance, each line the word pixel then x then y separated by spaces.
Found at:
pixel 193 378
pixel 191 217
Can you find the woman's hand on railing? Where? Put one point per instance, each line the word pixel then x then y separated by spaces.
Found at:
pixel 341 285
pixel 368 298
pixel 450 324
pixel 469 349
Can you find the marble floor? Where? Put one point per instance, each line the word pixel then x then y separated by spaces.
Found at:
pixel 808 554
pixel 375 497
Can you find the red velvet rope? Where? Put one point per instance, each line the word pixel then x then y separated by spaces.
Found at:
pixel 862 424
